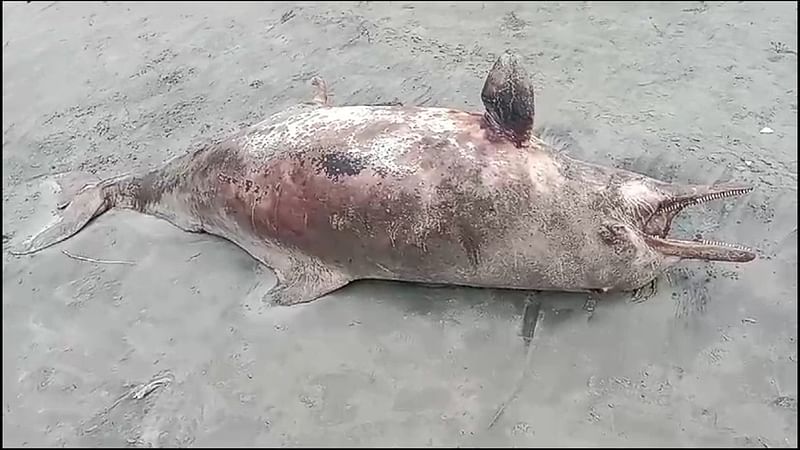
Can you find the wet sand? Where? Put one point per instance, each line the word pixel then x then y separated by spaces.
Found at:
pixel 177 348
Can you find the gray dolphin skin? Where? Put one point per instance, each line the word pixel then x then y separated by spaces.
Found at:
pixel 325 195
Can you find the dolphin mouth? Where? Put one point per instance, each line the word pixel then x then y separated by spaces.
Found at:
pixel 657 226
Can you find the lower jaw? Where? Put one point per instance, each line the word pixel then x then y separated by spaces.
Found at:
pixel 700 250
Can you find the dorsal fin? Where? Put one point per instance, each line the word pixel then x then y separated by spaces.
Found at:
pixel 508 98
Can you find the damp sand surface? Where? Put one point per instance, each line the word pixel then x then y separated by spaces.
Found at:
pixel 177 349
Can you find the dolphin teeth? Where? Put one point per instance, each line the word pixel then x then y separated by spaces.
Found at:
pixel 702 199
pixel 718 195
pixel 725 244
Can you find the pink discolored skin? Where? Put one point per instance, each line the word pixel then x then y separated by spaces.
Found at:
pixel 326 195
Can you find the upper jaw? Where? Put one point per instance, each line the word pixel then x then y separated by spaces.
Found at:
pixel 695 195
pixel 657 225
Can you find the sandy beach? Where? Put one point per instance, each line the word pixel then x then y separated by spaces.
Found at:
pixel 172 346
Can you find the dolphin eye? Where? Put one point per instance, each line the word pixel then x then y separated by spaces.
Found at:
pixel 613 233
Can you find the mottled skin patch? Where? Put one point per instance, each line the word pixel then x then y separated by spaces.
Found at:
pixel 340 164
pixel 327 195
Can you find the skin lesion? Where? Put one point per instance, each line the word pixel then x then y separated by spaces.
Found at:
pixel 247 185
pixel 338 165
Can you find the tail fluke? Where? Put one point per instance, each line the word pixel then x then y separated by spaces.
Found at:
pixel 81 198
